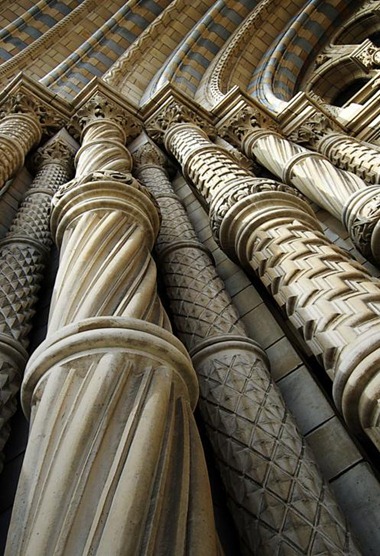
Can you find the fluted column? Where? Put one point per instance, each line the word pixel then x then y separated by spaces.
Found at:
pixel 343 194
pixel 327 296
pixel 258 449
pixel 346 152
pixel 23 253
pixel 114 464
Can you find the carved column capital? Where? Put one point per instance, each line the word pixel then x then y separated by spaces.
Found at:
pixel 101 107
pixel 313 129
pixel 148 155
pixel 56 151
pixel 175 112
pixel 24 102
pixel 243 123
pixel 366 55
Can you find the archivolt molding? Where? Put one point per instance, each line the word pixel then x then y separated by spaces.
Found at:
pixel 215 85
pixel 119 74
pixel 362 23
pixel 21 60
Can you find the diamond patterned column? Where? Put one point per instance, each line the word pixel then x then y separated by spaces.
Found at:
pixel 277 496
pixel 23 253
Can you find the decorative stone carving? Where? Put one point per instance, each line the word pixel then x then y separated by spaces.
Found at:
pixel 319 180
pixel 23 253
pixel 344 151
pixel 25 117
pixel 241 124
pixel 366 55
pixel 276 234
pixel 313 129
pixel 100 107
pixel 114 463
pixel 175 112
pixel 258 449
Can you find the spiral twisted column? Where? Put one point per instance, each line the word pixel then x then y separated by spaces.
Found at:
pixel 24 252
pixel 348 153
pixel 114 463
pixel 277 497
pixel 343 194
pixel 327 296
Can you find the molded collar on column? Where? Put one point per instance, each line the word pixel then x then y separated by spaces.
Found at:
pixel 94 336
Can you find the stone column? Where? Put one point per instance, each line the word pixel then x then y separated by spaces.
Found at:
pixel 23 253
pixel 346 152
pixel 327 296
pixel 114 464
pixel 272 483
pixel 20 130
pixel 345 195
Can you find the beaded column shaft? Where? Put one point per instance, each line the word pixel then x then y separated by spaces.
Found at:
pixel 276 494
pixel 326 295
pixel 24 252
pixel 114 464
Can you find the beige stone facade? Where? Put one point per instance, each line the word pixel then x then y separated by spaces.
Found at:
pixel 194 367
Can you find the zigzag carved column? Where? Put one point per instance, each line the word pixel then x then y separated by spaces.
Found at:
pixel 345 195
pixel 277 497
pixel 322 134
pixel 114 464
pixel 327 296
pixel 23 253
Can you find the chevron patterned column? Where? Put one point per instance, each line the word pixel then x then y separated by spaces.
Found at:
pixel 114 464
pixel 23 253
pixel 276 494
pixel 343 194
pixel 268 228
